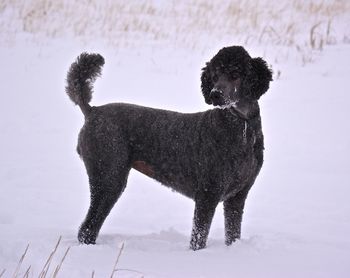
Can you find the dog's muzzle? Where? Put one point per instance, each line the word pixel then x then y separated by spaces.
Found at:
pixel 217 96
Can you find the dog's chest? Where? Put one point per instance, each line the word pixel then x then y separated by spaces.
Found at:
pixel 240 164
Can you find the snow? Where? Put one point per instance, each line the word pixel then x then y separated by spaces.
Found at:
pixel 297 216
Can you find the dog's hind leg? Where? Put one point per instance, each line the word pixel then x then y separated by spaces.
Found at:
pixel 205 206
pixel 107 182
pixel 233 213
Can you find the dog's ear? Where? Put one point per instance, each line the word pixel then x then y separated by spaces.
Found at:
pixel 206 83
pixel 262 77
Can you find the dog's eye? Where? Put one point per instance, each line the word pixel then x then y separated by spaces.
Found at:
pixel 234 76
pixel 215 78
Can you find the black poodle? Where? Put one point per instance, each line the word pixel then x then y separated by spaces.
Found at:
pixel 209 156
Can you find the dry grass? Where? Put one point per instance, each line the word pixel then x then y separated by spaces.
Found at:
pixel 194 24
pixel 45 270
pixel 117 260
pixel 15 274
pixel 46 266
pixel 54 274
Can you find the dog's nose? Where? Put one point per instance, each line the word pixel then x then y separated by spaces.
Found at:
pixel 216 94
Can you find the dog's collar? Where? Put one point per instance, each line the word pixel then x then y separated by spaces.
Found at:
pixel 233 109
pixel 238 115
pixel 235 112
pixel 244 135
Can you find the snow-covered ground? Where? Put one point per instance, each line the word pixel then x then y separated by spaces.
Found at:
pixel 297 217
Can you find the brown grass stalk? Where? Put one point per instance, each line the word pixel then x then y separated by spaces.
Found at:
pixel 313 36
pixel 49 259
pixel 60 265
pixel 15 274
pixel 117 260
pixel 26 275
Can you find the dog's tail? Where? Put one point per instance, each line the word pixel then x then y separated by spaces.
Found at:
pixel 80 78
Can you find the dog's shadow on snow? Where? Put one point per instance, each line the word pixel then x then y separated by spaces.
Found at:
pixel 165 240
pixel 170 240
pixel 173 241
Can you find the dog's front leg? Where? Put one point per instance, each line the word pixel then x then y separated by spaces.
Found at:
pixel 233 212
pixel 205 205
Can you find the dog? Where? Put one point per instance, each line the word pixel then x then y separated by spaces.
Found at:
pixel 209 156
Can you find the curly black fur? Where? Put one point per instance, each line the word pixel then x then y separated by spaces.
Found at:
pixel 236 60
pixel 209 156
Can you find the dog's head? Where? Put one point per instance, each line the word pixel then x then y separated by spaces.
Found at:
pixel 233 79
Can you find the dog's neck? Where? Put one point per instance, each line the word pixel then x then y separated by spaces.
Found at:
pixel 245 111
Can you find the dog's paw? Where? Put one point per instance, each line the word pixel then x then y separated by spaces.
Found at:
pixel 196 244
pixel 229 241
pixel 87 236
